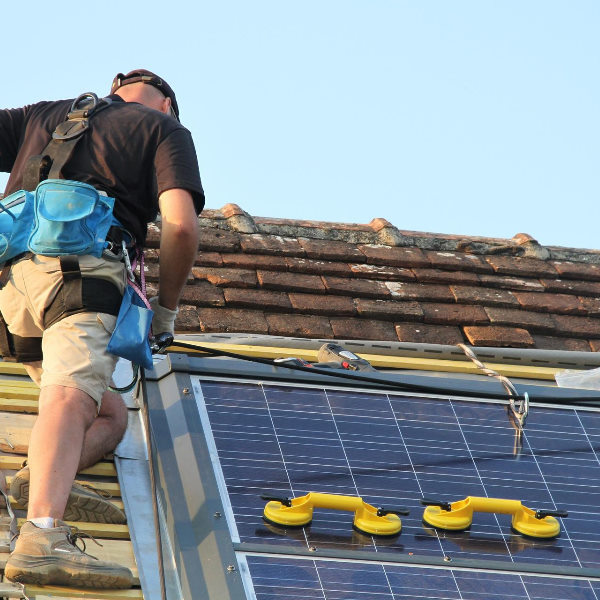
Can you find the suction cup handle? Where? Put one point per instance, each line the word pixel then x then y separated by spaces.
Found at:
pixel 285 501
pixel 541 514
pixel 381 511
pixel 429 502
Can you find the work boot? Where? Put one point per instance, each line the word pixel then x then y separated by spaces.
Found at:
pixel 51 557
pixel 84 503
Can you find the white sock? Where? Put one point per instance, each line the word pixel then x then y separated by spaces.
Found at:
pixel 43 522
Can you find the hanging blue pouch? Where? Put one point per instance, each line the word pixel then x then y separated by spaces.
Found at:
pixel 130 336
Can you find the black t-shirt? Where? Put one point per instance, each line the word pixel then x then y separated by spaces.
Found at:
pixel 131 152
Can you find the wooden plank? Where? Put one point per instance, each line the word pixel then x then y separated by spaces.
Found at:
pixel 57 593
pixel 383 361
pixel 12 368
pixel 15 431
pixel 101 469
pixel 14 391
pixel 19 405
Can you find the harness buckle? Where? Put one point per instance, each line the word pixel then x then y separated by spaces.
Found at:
pixel 127 261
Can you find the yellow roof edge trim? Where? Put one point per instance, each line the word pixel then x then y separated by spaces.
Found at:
pixel 386 362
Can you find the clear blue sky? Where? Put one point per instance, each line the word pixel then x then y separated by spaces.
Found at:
pixel 476 117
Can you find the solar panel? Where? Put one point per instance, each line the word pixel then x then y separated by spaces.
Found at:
pixel 392 450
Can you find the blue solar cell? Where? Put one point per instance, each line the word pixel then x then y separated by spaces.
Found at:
pixel 392 450
pixel 283 578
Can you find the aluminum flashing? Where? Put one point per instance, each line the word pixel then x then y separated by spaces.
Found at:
pixel 204 556
pixel 240 369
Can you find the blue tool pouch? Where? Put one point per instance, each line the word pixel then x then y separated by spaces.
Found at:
pixel 69 218
pixel 130 336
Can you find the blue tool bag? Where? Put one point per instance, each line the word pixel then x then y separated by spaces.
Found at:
pixel 69 218
pixel 16 217
pixel 61 217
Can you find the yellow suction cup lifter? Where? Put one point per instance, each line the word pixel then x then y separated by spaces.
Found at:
pixel 458 516
pixel 297 512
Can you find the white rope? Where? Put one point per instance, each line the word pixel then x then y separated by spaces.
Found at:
pixel 520 409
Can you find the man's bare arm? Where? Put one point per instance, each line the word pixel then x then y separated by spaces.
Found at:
pixel 178 244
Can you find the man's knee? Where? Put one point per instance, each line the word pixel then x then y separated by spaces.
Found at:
pixel 112 407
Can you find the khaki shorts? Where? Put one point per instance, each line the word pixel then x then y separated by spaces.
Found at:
pixel 74 348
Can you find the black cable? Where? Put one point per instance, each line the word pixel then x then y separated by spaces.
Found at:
pixel 354 376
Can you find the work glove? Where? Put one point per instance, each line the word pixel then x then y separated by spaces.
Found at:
pixel 163 320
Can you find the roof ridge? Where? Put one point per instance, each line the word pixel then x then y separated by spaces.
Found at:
pixel 380 232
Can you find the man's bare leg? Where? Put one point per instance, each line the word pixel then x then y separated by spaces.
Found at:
pixel 107 429
pixel 55 448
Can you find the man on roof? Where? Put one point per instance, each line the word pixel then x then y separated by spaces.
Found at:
pixel 136 151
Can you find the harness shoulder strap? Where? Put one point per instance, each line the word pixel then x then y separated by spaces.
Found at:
pixel 50 163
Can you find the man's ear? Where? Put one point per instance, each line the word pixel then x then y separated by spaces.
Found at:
pixel 166 106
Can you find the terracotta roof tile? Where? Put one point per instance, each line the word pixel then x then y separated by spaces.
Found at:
pixel 572 270
pixel 232 320
pixel 584 327
pixel 374 281
pixel 288 282
pixel 441 276
pixel 241 278
pixel 453 314
pixel 382 272
pixel 219 240
pixel 187 319
pixel 590 306
pixel 270 244
pixel 532 321
pixel 209 259
pixel 512 337
pixel 560 343
pixel 203 293
pixel 366 288
pixel 330 250
pixel 318 267
pixel 389 310
pixel 254 261
pixel 363 329
pixel 458 261
pixel 379 254
pixel 314 304
pixel 482 295
pixel 550 303
pixel 419 291
pixel 510 265
pixel 257 299
pixel 512 283
pixel 309 326
pixel 422 333
pixel 568 286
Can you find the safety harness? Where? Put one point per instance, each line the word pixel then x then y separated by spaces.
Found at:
pixel 78 293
